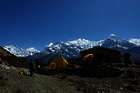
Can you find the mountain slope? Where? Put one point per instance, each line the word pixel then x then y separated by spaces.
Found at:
pixel 135 41
pixel 20 52
pixel 72 48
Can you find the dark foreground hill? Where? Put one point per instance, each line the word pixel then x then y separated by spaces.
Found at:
pixel 7 58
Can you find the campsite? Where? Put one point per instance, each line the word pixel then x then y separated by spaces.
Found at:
pixel 69 46
pixel 95 70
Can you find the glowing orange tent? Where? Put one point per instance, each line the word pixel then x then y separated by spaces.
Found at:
pixel 58 63
pixel 88 57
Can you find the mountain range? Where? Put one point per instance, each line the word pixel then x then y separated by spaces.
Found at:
pixel 20 52
pixel 72 48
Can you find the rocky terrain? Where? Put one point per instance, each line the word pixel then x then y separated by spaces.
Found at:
pixel 12 80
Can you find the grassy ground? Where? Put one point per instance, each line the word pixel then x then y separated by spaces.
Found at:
pixel 128 82
pixel 11 81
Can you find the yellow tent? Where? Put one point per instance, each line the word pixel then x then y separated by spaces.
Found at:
pixel 88 58
pixel 58 63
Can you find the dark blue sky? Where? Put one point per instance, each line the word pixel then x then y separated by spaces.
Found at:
pixel 37 22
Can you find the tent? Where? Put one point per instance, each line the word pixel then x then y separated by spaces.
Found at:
pixel 101 55
pixel 88 58
pixel 59 63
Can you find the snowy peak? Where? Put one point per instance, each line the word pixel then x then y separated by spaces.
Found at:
pixel 79 41
pixel 114 37
pixel 20 52
pixel 50 44
pixel 15 50
pixel 135 41
pixel 32 50
pixel 114 41
pixel 83 43
pixel 71 48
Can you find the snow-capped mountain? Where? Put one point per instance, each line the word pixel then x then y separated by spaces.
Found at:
pixel 72 48
pixel 32 51
pixel 114 41
pixel 20 52
pixel 135 41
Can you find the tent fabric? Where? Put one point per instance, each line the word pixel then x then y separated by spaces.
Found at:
pixel 88 57
pixel 58 63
